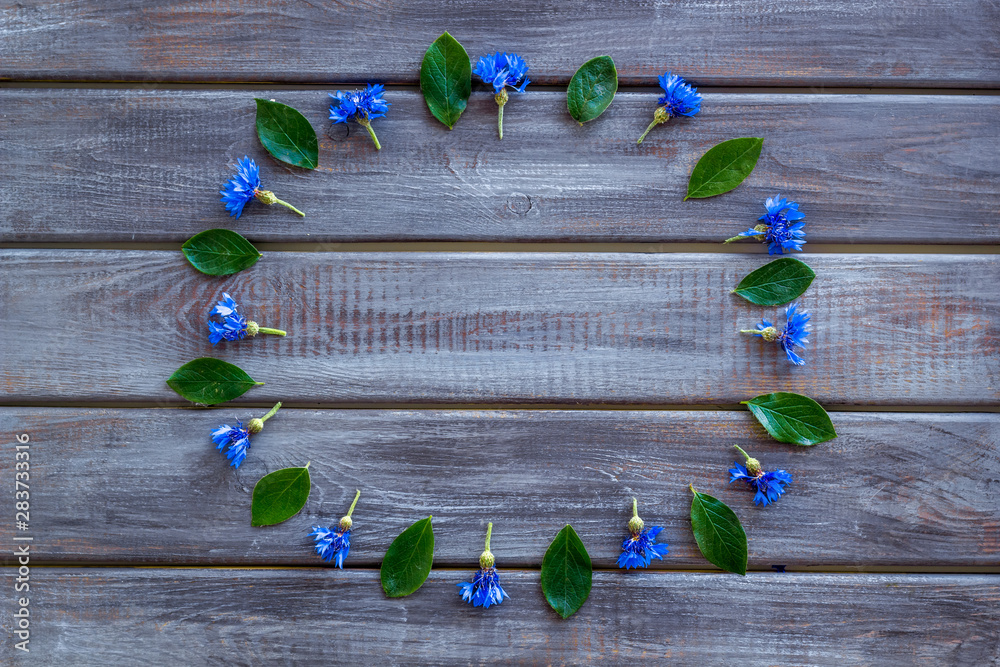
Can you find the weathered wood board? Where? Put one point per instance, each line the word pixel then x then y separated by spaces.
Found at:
pixel 785 42
pixel 148 486
pixel 130 165
pixel 112 325
pixel 249 617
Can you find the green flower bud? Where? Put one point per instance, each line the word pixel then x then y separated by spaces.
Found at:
pixel 265 196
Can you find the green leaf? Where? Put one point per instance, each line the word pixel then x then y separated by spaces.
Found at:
pixel 592 88
pixel 446 79
pixel 566 573
pixel 220 252
pixel 408 560
pixel 286 134
pixel 210 381
pixel 279 496
pixel 718 532
pixel 792 418
pixel 776 283
pixel 724 167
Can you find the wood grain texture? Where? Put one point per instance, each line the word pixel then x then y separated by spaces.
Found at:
pixel 131 165
pixel 787 42
pixel 148 486
pixel 232 617
pixel 112 325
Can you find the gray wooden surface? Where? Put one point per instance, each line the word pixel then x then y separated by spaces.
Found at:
pixel 894 490
pixel 126 159
pixel 96 325
pixel 148 165
pixel 786 42
pixel 253 617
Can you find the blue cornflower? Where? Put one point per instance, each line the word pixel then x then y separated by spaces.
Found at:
pixel 679 99
pixel 237 438
pixel 795 333
pixel 769 485
pixel 233 325
pixel 244 186
pixel 335 543
pixel 781 228
pixel 485 588
pixel 640 548
pixel 360 106
pixel 502 70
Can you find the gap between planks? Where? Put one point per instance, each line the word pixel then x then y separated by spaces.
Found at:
pixel 799 569
pixel 545 247
pixel 497 407
pixel 269 85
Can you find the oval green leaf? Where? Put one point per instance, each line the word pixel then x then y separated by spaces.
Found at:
pixel 592 88
pixel 408 560
pixel 566 573
pixel 220 252
pixel 286 134
pixel 446 79
pixel 792 418
pixel 279 496
pixel 719 534
pixel 209 381
pixel 776 283
pixel 724 167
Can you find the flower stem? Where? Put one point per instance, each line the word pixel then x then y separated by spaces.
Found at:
pixel 635 506
pixel 735 238
pixel 284 203
pixel 368 126
pixel 500 121
pixel 755 332
pixel 356 496
pixel 740 449
pixel 276 332
pixel 489 529
pixel 272 412
pixel 651 126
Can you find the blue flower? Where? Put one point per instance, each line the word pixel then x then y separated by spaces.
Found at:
pixel 361 106
pixel 639 549
pixel 236 438
pixel 679 97
pixel 795 333
pixel 781 228
pixel 769 485
pixel 336 543
pixel 485 589
pixel 358 105
pixel 242 187
pixel 501 70
pixel 233 325
pixel 330 544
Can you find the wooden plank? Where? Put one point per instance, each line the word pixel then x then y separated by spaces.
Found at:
pixel 112 325
pixel 108 616
pixel 132 165
pixel 897 42
pixel 147 486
